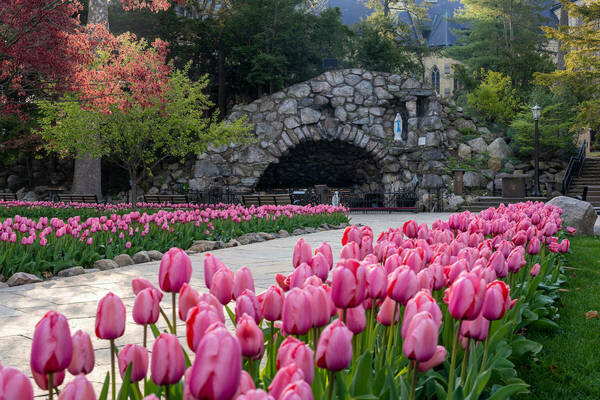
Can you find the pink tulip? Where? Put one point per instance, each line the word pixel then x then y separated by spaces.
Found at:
pixel 302 253
pixel 465 296
pixel 299 390
pixel 356 319
pixel 139 284
pixel 535 270
pixel 300 274
pixel 437 359
pixel 216 371
pixel 110 317
pixel 421 337
pixel 334 351
pixel 476 329
pixel 285 376
pixel 498 263
pixel 351 234
pixel 213 301
pixel 312 281
pixel 175 270
pixel 255 395
pixel 351 250
pixel 243 280
pixel 422 301
pixel 247 303
pixel 297 315
pixel 534 246
pixel 571 230
pixel 402 284
pixel 496 300
pixel 211 265
pixel 348 284
pixel 272 303
pixel 222 285
pixel 42 379
pixel 82 361
pixel 294 351
pixel 78 389
pixel 376 281
pixel 325 250
pixel 386 312
pixel 14 385
pixel 188 298
pixel 250 337
pixel 246 385
pixel 153 397
pixel 410 229
pixel 200 318
pixel 146 307
pixel 52 347
pixel 320 266
pixel 137 356
pixel 564 246
pixel 319 304
pixel 516 259
pixel 168 364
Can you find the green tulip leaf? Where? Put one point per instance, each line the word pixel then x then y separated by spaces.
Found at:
pixel 361 382
pixel 506 391
pixel 125 387
pixel 104 391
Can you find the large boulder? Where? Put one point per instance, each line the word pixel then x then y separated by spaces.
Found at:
pixel 464 151
pixel 499 149
pixel 105 264
pixel 22 278
pixel 478 145
pixel 454 202
pixel 123 260
pixel 576 213
pixel 474 180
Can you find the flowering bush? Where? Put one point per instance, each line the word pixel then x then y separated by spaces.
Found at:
pixel 424 312
pixel 51 243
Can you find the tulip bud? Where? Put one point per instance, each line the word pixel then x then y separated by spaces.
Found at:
pixel 476 329
pixel 351 234
pixel 42 379
pixel 297 315
pixel 272 303
pixel 14 385
pixel 200 318
pixel 110 317
pixel 294 351
pixel 422 301
pixel 437 359
pixel 348 284
pixel 222 285
pixel 167 347
pixel 376 279
pixel 516 259
pixel 243 280
pixel 216 371
pixel 284 377
pixel 421 337
pixel 82 361
pixel 257 394
pixel 465 296
pixel 175 270
pixel 496 300
pixel 247 303
pixel 320 266
pixel 334 351
pixel 139 284
pixel 534 246
pixel 246 385
pixel 298 390
pixel 325 249
pixel 386 312
pixel 213 301
pixel 250 337
pixel 402 284
pixel 356 319
pixel 211 265
pixel 52 347
pixel 146 307
pixel 410 229
pixel 137 356
pixel 78 389
pixel 188 298
pixel 535 270
pixel 350 251
pixel 319 304
pixel 302 253
pixel 300 274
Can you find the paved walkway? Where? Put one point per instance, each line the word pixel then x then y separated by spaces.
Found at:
pixel 77 297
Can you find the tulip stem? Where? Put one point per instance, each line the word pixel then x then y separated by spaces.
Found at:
pixel 272 351
pixel 112 367
pixel 50 386
pixel 453 361
pixel 485 353
pixel 145 335
pixel 167 391
pixel 414 380
pixel 391 338
pixel 371 318
pixel 173 298
pixel 331 383
pixel 162 312
pixel 136 389
pixel 463 371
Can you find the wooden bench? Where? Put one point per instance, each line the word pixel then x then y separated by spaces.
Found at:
pixel 165 198
pixel 77 198
pixel 266 199
pixel 8 196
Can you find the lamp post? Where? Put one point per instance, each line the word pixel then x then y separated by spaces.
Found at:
pixel 537 111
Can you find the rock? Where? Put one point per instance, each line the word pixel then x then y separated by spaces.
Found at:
pixel 201 246
pixel 73 271
pixel 288 106
pixel 576 213
pixel 266 235
pixel 309 229
pixel 300 90
pixel 495 164
pixel 464 151
pixel 283 233
pixel 298 232
pixel 499 149
pixel 454 203
pixel 31 196
pixel 22 278
pixel 309 116
pixel 105 264
pixel 478 145
pixel 250 238
pixel 343 91
pixel 474 180
pixel 233 243
pixel 155 255
pixel 465 125
pixel 123 260
pixel 91 270
pixel 141 257
pixel 432 181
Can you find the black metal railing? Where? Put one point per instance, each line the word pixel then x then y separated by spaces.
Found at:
pixel 214 197
pixel 574 168
pixel 405 200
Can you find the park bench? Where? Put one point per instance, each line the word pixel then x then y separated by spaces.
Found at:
pixel 266 199
pixel 77 198
pixel 8 196
pixel 165 198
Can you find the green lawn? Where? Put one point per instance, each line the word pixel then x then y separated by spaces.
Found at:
pixel 568 367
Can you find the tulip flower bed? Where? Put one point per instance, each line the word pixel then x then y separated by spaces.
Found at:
pixel 420 312
pixel 52 244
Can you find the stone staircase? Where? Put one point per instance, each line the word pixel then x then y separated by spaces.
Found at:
pixel 483 203
pixel 590 176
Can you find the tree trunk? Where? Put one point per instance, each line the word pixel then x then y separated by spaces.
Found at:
pixel 221 100
pixel 87 176
pixel 133 178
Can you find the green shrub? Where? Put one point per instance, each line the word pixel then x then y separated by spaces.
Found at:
pixel 495 99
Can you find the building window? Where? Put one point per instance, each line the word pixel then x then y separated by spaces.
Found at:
pixel 447 69
pixel 446 92
pixel 435 78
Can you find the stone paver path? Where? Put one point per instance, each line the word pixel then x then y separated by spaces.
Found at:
pixel 21 307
